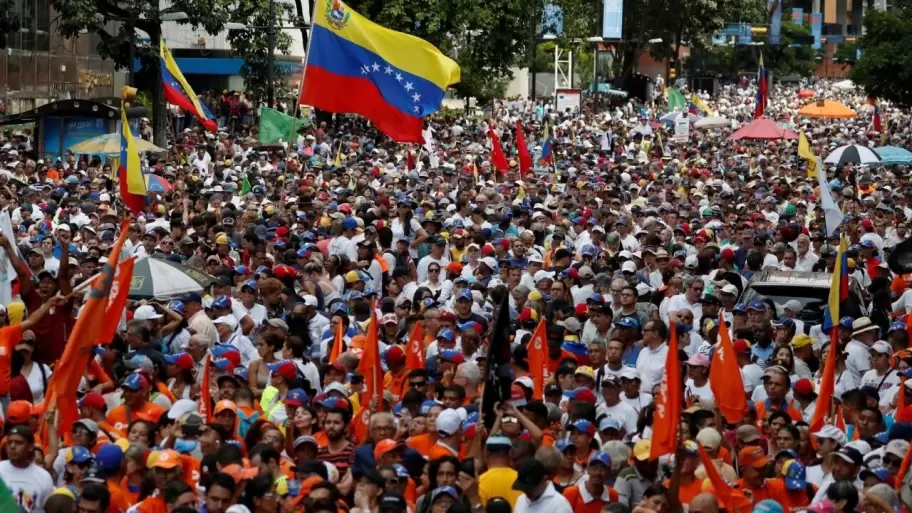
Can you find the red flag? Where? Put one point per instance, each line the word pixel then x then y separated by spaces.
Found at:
pixel 729 498
pixel 525 159
pixel 118 301
pixel 900 406
pixel 725 378
pixel 901 399
pixel 667 416
pixel 205 402
pixel 538 360
pixel 410 160
pixel 498 159
pixel 338 341
pixel 370 364
pixel 415 353
pixel 71 366
pixel 827 385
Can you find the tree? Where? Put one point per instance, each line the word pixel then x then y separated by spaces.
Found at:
pixel 885 67
pixel 121 44
pixel 486 37
pixel 781 59
pixel 252 44
pixel 9 22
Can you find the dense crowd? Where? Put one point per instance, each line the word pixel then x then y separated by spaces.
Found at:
pixel 619 240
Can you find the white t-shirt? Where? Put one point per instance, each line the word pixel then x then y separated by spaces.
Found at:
pixel 624 414
pixel 396 227
pixel 36 383
pixel 30 486
pixel 704 392
pixel 881 383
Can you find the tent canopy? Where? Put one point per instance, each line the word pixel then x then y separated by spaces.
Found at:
pixel 762 128
pixel 827 109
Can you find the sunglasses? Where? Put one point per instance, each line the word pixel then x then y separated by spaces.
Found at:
pixel 417 384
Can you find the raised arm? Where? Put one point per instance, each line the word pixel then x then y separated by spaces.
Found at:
pixel 22 272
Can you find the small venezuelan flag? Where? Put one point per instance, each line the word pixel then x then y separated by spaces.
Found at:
pixel 391 78
pixel 178 91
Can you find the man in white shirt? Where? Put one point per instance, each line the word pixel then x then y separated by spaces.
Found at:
pixel 342 244
pixel 228 335
pixel 616 409
pixel 437 255
pixel 882 376
pixel 864 334
pixel 29 484
pixel 586 288
pixel 539 494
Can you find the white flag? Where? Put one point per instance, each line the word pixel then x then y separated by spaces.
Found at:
pixel 7 270
pixel 429 146
pixel 832 214
pixel 606 141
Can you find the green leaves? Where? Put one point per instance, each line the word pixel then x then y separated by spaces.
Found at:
pixel 252 44
pixel 884 68
pixel 9 22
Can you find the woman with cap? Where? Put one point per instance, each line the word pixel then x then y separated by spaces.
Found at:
pixel 844 380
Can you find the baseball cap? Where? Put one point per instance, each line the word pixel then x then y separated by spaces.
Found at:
pixel 145 313
pixel 600 457
pixel 296 397
pixel 448 422
pixel 830 432
pixel 134 382
pixel 849 455
pixel 93 400
pixel 747 434
pixel 609 423
pixel 801 340
pixel 583 425
pixel 529 474
pixel 182 361
pixel 391 501
pixel 223 405
pixel 167 458
pixel 285 368
pixel 228 320
pixel 385 446
pixel 78 454
pixel 642 450
pixel 752 456
pixel 109 458
pixel 795 475
pixel 90 425
pixel 882 347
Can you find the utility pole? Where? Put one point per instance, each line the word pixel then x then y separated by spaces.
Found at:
pixel 270 80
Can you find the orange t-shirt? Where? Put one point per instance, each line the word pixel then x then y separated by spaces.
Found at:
pixel 439 451
pixel 396 385
pixel 687 492
pixel 547 438
pixel 152 505
pixel 798 499
pixel 117 496
pixel 725 455
pixel 130 497
pixel 9 337
pixel 422 443
pixel 772 489
pixel 573 495
pixel 149 412
pixel 794 413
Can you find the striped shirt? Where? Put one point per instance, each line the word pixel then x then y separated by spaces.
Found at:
pixel 342 459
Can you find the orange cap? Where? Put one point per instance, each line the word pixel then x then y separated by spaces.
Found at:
pixel 19 412
pixel 167 458
pixel 240 473
pixel 358 342
pixel 223 405
pixel 385 446
pixel 752 456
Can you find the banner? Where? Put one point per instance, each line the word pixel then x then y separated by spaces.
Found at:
pixel 775 7
pixel 798 16
pixel 613 19
pixel 552 20
pixel 682 129
pixel 816 29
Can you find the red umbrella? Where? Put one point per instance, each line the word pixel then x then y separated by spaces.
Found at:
pixel 806 93
pixel 762 128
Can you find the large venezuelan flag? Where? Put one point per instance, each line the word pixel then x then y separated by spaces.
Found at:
pixel 132 181
pixel 178 91
pixel 391 78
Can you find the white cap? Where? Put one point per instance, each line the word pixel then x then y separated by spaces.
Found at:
pixel 309 300
pixel 490 262
pixel 63 226
pixel 104 197
pixel 228 320
pixel 181 407
pixel 629 266
pixel 831 432
pixel 793 305
pixel 898 448
pixel 882 347
pixel 535 258
pixel 730 289
pixel 542 275
pixel 628 372
pixel 448 422
pixel 145 313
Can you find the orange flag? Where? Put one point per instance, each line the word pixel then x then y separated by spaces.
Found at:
pixel 205 401
pixel 370 364
pixel 415 353
pixel 667 416
pixel 729 498
pixel 119 291
pixel 827 386
pixel 71 366
pixel 537 360
pixel 337 343
pixel 900 406
pixel 725 378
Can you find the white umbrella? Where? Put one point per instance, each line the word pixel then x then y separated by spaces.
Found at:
pixel 713 122
pixel 845 85
pixel 160 278
pixel 671 116
pixel 852 154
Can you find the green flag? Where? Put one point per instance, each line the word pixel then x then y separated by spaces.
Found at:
pixel 245 187
pixel 676 100
pixel 7 502
pixel 275 126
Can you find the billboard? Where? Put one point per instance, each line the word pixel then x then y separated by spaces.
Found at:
pixel 798 16
pixel 552 20
pixel 613 19
pixel 816 28
pixel 775 7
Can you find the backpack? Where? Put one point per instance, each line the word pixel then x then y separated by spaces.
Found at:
pixel 245 422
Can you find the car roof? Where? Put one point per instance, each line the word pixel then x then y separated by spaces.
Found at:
pixel 793 278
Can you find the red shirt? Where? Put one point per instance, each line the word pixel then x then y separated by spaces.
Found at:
pixel 53 330
pixel 9 337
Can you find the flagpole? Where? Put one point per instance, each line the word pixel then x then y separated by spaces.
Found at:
pixel 297 100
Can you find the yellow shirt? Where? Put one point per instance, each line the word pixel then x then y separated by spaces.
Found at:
pixel 498 482
pixel 457 255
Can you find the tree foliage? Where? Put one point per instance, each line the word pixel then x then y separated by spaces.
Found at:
pixel 885 67
pixel 781 59
pixel 252 44
pixel 486 37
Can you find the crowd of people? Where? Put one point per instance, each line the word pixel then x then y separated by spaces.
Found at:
pixel 617 241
